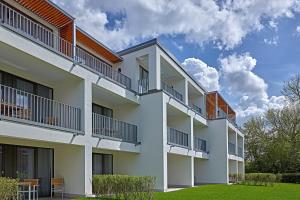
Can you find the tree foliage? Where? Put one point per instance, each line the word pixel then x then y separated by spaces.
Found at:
pixel 272 141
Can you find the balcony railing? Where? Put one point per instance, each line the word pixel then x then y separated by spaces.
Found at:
pixel 98 66
pixel 34 31
pixel 143 85
pixel 178 138
pixel 172 91
pixel 21 106
pixel 200 144
pixel 107 127
pixel 18 22
pixel 231 148
pixel 240 152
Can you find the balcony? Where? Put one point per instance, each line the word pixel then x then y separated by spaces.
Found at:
pixel 41 35
pixel 20 106
pixel 106 127
pixel 231 148
pixel 200 144
pixel 198 110
pixel 170 90
pixel 100 67
pixel 178 138
pixel 28 28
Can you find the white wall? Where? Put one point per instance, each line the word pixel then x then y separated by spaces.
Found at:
pixel 180 171
pixel 214 170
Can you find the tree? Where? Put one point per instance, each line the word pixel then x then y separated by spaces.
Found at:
pixel 291 89
pixel 272 141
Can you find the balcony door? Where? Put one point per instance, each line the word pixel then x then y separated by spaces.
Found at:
pixel 28 163
pixel 102 163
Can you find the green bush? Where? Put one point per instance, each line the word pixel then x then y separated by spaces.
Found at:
pixel 123 186
pixel 278 178
pixel 260 179
pixel 290 178
pixel 235 178
pixel 8 188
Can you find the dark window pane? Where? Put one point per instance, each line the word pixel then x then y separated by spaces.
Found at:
pixel 97 163
pixel 107 164
pixel 44 170
pixel 101 110
pixel 25 163
pixel 44 91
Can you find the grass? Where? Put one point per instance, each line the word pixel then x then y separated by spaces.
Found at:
pixel 232 192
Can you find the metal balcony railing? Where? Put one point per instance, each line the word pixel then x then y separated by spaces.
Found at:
pixel 240 152
pixel 172 91
pixel 34 31
pixel 18 105
pixel 143 85
pixel 178 138
pixel 231 148
pixel 107 127
pixel 200 144
pixel 98 66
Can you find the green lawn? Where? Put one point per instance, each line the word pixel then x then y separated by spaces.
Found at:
pixel 234 192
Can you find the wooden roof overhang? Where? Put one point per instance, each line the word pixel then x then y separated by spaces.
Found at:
pixel 89 41
pixel 52 14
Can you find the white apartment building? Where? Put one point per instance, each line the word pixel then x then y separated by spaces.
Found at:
pixel 70 107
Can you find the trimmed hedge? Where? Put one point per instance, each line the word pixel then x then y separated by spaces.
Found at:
pixel 260 179
pixel 290 178
pixel 8 188
pixel 235 178
pixel 124 187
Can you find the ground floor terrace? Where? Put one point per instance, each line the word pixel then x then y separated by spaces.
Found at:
pixel 75 164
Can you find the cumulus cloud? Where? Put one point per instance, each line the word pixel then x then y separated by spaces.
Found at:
pixel 224 23
pixel 240 81
pixel 207 76
pixel 298 30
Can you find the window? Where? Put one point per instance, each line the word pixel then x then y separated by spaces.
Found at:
pixel 144 74
pixel 101 110
pixel 102 163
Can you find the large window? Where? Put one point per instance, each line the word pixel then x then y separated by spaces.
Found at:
pixel 102 163
pixel 101 110
pixel 25 85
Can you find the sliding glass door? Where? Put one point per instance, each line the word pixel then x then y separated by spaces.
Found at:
pixel 102 163
pixel 28 163
pixel 25 163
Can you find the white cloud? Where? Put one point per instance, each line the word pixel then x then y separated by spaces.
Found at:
pixel 298 30
pixel 223 23
pixel 240 81
pixel 272 41
pixel 207 76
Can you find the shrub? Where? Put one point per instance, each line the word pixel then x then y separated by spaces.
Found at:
pixel 235 178
pixel 8 188
pixel 290 178
pixel 123 187
pixel 260 179
pixel 278 178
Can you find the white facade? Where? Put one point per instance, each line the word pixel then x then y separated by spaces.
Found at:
pixel 160 114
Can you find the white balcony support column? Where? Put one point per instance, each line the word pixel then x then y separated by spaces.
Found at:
pixel 186 92
pixel 154 69
pixel 236 143
pixel 87 111
pixel 191 142
pixel 88 170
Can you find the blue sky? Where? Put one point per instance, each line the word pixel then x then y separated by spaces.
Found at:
pixel 243 48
